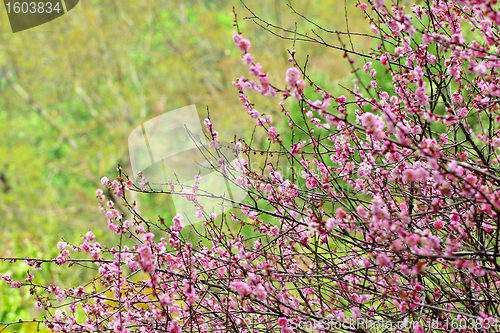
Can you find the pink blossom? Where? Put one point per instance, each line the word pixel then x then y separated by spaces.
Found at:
pixel 264 81
pixel 240 287
pixel 274 232
pixel 236 38
pixel 364 298
pixel 301 85
pixel 399 51
pixel 244 44
pixel 457 98
pixel 330 224
pixel 139 229
pixel 255 69
pixel 421 174
pixel 271 132
pixel 259 292
pixel 247 58
pixel 397 245
pixel 362 211
pixel 369 120
pixel 282 322
pixel 165 300
pixel 292 75
pixel 421 95
pixel 494 89
pixel 341 213
pixel 390 187
pixel 254 114
pixel 175 329
pixel 477 271
pixel 356 313
pixel 438 224
pixel 148 237
pixel 384 261
pixel 178 224
pixel 480 69
pixel 104 181
pixel 384 60
pixel 62 245
pixel 426 38
pixel 378 135
pixel 311 183
pixel 378 4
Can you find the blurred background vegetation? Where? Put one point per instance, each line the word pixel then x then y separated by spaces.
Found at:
pixel 73 89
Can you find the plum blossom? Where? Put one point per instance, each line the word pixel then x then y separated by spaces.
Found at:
pixel 382 190
pixel 243 44
pixel 240 287
pixel 383 260
pixel 178 224
pixel 292 76
pixel 259 292
pixel 274 232
pixel 255 69
pixel 384 60
pixel 247 58
pixel 421 95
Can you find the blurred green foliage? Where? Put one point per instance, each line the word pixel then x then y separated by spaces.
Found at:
pixel 73 89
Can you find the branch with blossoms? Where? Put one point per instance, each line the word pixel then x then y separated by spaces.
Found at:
pixel 381 204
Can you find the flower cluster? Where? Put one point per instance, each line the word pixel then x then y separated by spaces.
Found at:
pixel 381 203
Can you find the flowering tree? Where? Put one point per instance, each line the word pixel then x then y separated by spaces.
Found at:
pixel 382 205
